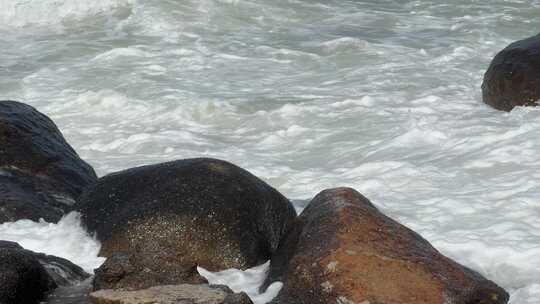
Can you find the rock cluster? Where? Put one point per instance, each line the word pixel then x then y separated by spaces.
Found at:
pixel 157 223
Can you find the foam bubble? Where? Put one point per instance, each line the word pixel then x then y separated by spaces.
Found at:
pixel 19 13
pixel 247 281
pixel 66 239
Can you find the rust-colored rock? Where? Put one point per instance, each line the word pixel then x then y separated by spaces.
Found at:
pixel 343 250
pixel 513 77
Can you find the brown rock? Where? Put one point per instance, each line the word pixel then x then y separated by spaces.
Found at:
pixel 343 250
pixel 169 294
pixel 513 77
pixel 158 223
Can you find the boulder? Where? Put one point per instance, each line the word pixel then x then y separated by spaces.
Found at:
pixel 343 250
pixel 157 223
pixel 171 294
pixel 41 176
pixel 22 278
pixel 58 271
pixel 513 77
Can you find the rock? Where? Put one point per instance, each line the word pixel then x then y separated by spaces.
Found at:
pixel 9 245
pixel 237 298
pixel 41 176
pixel 513 77
pixel 158 222
pixel 59 270
pixel 22 278
pixel 74 294
pixel 170 294
pixel 343 250
pixel 117 268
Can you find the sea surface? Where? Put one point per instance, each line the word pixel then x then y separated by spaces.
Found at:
pixel 383 96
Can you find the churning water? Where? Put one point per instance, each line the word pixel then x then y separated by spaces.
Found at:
pixel 380 95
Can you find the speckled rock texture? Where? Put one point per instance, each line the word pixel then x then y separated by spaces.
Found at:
pixel 157 223
pixel 41 176
pixel 343 250
pixel 170 294
pixel 513 77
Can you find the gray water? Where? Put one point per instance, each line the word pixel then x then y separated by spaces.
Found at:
pixel 383 96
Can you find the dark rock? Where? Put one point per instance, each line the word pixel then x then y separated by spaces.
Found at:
pixel 22 278
pixel 163 220
pixel 10 245
pixel 513 77
pixel 343 250
pixel 41 176
pixel 170 294
pixel 59 270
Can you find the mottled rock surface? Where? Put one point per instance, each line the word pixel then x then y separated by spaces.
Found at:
pixel 513 77
pixel 343 250
pixel 157 223
pixel 41 176
pixel 170 294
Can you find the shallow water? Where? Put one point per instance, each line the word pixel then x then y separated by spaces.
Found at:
pixel 383 96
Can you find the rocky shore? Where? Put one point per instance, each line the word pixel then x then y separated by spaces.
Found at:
pixel 157 223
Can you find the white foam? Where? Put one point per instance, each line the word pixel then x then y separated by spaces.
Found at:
pixel 248 281
pixel 19 13
pixel 117 53
pixel 67 239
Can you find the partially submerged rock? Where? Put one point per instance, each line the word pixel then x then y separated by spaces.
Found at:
pixel 59 271
pixel 171 294
pixel 41 176
pixel 22 278
pixel 513 77
pixel 158 223
pixel 343 250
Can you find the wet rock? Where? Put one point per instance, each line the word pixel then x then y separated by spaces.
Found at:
pixel 158 222
pixel 73 294
pixel 22 278
pixel 59 270
pixel 170 294
pixel 41 176
pixel 513 77
pixel 343 250
pixel 118 268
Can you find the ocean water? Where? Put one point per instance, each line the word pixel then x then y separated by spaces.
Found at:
pixel 383 96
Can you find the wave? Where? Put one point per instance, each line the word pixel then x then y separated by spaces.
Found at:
pixel 25 13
